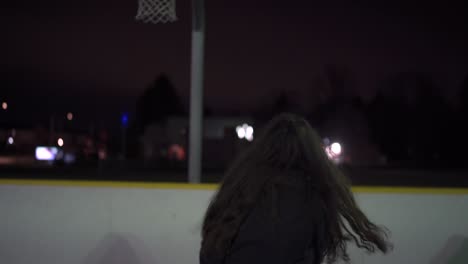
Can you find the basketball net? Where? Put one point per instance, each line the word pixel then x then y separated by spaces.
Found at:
pixel 156 11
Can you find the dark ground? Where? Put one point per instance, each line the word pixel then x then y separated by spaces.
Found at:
pixel 123 172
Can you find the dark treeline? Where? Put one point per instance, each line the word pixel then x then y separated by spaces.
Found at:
pixel 408 119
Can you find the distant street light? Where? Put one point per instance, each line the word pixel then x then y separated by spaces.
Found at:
pixel 336 148
pixel 124 119
pixel 70 116
pixel 4 105
pixel 60 142
pixel 245 131
pixel 11 141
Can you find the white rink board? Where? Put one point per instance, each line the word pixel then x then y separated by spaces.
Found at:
pixel 99 225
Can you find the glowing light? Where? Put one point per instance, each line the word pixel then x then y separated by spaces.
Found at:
pixel 70 116
pixel 60 142
pixel 46 153
pixel 245 131
pixel 177 152
pixel 4 105
pixel 11 141
pixel 249 131
pixel 124 119
pixel 102 154
pixel 240 132
pixel 336 148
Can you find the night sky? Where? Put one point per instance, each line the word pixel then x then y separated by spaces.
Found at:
pixel 93 58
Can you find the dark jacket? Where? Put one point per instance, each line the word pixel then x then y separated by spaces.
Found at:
pixel 295 235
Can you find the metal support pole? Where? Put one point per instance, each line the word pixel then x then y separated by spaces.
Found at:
pixel 196 92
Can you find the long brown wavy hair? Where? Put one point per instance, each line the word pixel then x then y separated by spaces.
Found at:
pixel 289 143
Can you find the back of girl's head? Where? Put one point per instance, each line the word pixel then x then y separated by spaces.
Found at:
pixel 282 142
pixel 288 143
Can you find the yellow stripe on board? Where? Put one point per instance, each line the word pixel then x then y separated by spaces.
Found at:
pixel 187 186
pixel 109 184
pixel 411 190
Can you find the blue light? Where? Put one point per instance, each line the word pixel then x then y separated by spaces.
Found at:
pixel 124 119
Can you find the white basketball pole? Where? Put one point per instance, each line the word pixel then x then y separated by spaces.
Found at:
pixel 196 92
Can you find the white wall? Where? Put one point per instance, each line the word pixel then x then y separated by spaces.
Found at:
pixel 97 225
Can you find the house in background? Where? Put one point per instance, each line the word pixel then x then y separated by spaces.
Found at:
pixel 169 141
